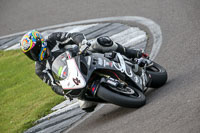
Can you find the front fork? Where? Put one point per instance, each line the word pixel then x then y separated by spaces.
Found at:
pixel 142 73
pixel 146 77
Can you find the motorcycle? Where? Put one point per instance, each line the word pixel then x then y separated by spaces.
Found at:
pixel 106 78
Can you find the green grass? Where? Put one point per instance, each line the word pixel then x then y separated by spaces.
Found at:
pixel 24 98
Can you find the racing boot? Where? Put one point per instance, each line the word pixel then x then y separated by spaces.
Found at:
pixel 87 106
pixel 130 53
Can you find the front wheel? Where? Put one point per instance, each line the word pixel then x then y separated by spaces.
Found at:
pixel 158 75
pixel 126 99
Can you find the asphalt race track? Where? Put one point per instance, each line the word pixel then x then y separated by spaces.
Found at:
pixel 174 108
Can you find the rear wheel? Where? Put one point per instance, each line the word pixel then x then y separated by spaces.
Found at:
pixel 126 97
pixel 158 75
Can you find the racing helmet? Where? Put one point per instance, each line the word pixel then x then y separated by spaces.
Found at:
pixel 34 45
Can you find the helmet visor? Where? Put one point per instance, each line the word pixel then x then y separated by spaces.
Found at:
pixel 34 53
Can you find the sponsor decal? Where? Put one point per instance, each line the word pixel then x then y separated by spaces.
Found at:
pixel 64 73
pixel 94 88
pixel 100 61
pixel 60 71
pixel 76 81
pixel 122 66
pixel 106 63
pixel 110 64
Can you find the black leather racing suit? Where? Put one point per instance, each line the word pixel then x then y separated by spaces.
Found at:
pixel 43 69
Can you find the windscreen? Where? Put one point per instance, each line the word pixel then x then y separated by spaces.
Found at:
pixel 60 67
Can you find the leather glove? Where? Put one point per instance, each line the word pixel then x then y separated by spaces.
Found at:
pixel 58 90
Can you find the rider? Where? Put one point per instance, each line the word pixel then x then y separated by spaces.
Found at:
pixel 39 49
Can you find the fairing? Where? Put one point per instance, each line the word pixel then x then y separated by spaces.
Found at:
pixel 74 79
pixel 66 70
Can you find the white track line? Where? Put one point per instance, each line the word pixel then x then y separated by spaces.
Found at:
pixel 65 29
pixel 130 37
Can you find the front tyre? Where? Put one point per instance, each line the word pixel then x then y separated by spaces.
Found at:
pixel 135 100
pixel 158 75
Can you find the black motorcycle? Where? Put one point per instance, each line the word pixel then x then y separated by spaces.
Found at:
pixel 107 78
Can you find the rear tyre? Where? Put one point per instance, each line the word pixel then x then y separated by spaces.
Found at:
pixel 125 100
pixel 158 75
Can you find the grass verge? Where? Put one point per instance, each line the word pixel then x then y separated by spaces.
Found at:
pixel 24 98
